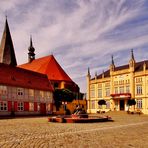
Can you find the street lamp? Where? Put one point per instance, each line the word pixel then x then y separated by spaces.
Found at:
pixel 64 103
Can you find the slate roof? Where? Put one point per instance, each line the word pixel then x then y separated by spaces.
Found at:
pixel 14 76
pixel 7 54
pixel 138 67
pixel 49 66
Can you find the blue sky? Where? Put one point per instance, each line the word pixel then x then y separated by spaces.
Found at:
pixel 79 33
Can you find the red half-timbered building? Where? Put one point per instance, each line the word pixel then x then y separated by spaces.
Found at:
pixel 22 92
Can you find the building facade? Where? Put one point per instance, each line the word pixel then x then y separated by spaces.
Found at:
pixel 119 84
pixel 22 92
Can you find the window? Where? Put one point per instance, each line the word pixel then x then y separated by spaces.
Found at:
pixel 138 80
pixel 107 92
pixel 121 89
pixel 20 91
pixel 100 93
pixel 93 104
pixel 139 103
pixel 31 92
pixel 127 89
pixel 92 93
pixel 20 106
pixel 107 84
pixel 41 93
pixel 31 106
pixel 116 90
pixel 3 106
pixel 139 89
pixel 3 89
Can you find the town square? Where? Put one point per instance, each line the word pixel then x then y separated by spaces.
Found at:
pixel 74 73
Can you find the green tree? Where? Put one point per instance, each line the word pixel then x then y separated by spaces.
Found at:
pixel 62 95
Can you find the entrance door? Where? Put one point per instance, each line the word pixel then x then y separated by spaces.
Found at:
pixel 121 104
pixel 43 109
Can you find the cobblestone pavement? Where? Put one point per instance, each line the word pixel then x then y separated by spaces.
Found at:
pixel 126 131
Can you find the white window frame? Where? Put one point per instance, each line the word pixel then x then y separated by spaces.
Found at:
pixel 99 93
pixel 107 92
pixel 139 89
pixel 139 103
pixel 127 89
pixel 20 91
pixel 116 90
pixel 92 93
pixel 20 106
pixel 3 106
pixel 121 89
pixel 3 89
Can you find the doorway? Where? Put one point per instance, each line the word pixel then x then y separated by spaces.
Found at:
pixel 121 104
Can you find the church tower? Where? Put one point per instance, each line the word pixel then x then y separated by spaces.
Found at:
pixel 7 54
pixel 31 54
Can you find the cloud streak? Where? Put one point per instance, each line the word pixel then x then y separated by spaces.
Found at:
pixel 80 33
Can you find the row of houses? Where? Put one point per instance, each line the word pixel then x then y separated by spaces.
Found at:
pixel 27 89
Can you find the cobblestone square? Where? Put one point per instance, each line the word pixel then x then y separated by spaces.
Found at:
pixel 125 131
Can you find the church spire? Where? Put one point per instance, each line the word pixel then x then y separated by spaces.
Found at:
pixel 132 55
pixel 7 54
pixel 112 66
pixel 112 60
pixel 132 61
pixel 31 54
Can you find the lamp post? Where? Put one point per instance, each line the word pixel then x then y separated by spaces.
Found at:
pixel 64 103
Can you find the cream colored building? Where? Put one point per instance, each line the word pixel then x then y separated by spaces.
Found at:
pixel 119 84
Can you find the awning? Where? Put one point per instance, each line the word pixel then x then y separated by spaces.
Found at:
pixel 121 95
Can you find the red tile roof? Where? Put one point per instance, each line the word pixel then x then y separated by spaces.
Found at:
pixel 19 77
pixel 49 66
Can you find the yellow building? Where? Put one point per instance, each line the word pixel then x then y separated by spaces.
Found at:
pixel 119 84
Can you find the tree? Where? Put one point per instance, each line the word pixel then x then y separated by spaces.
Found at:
pixel 131 102
pixel 62 95
pixel 101 102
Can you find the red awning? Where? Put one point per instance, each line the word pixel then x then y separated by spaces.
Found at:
pixel 121 95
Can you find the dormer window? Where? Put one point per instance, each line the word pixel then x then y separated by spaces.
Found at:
pixel 20 91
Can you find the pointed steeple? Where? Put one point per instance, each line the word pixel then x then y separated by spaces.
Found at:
pixel 112 66
pixel 112 60
pixel 88 73
pixel 31 54
pixel 7 54
pixel 132 61
pixel 132 55
pixel 103 74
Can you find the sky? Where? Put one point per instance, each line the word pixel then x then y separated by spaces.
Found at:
pixel 79 33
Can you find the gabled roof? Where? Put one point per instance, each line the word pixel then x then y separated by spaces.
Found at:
pixel 14 76
pixel 49 66
pixel 7 54
pixel 138 67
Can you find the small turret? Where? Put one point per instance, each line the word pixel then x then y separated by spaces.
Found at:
pixel 144 66
pixel 31 54
pixel 103 74
pixel 112 66
pixel 132 61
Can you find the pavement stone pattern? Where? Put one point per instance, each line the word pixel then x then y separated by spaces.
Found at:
pixel 126 131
